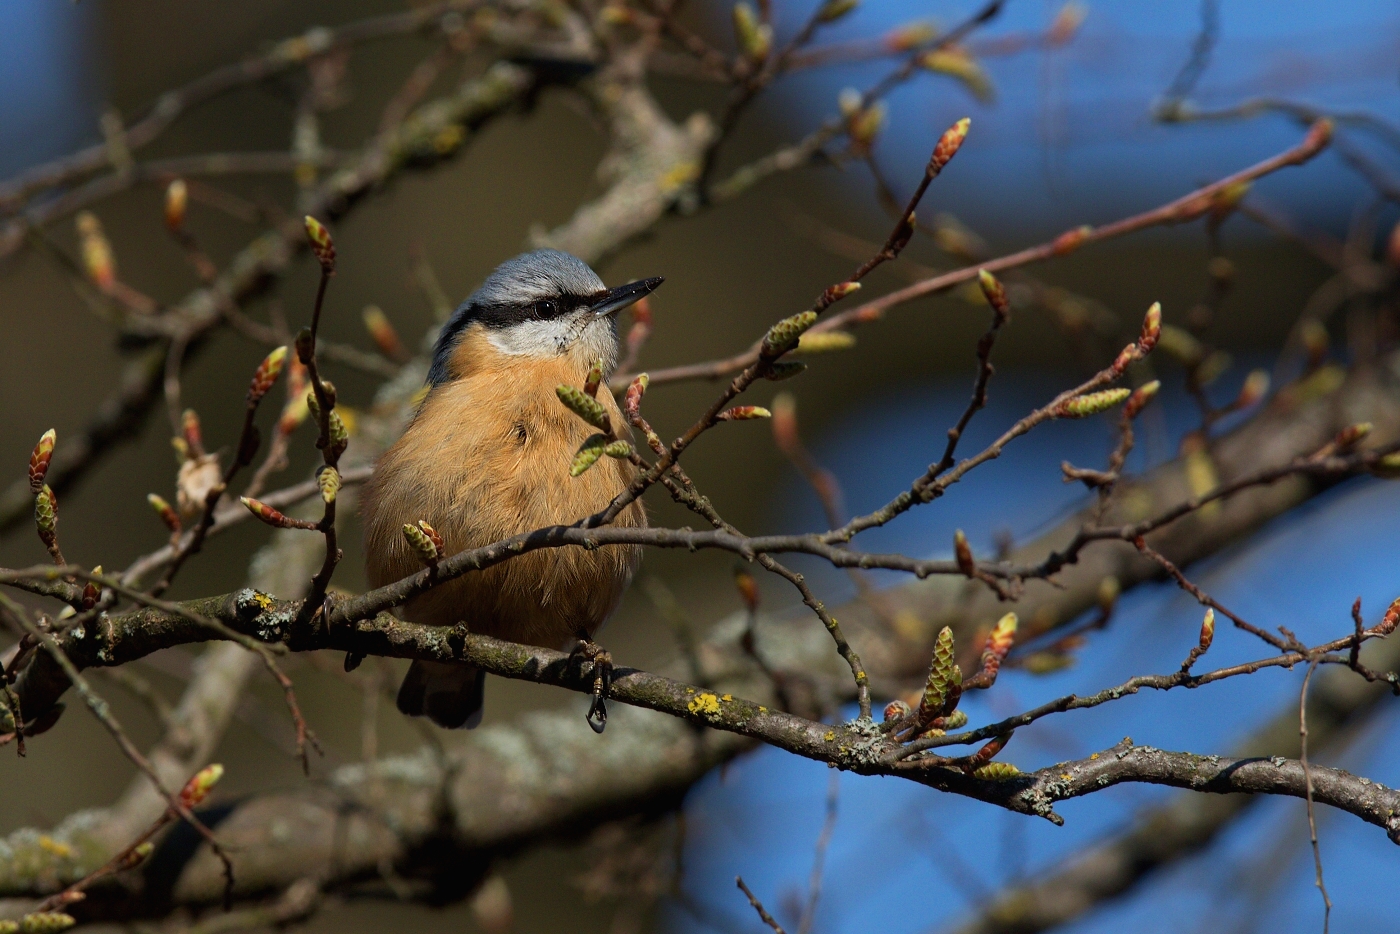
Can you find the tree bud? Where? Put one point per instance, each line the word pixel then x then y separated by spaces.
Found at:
pixel 40 459
pixel 265 376
pixel 199 786
pixel 784 335
pixel 177 197
pixel 1091 403
pixel 583 405
pixel 948 144
pixel 587 454
pixel 423 545
pixel 321 244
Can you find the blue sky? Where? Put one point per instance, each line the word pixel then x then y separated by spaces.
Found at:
pixel 762 815
pixel 1069 138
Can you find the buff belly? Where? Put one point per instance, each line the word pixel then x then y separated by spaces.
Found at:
pixel 486 458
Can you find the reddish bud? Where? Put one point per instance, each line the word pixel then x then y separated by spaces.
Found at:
pixel 594 379
pixel 1140 397
pixel 1151 328
pixel 165 511
pixel 1066 23
pixel 1070 240
pixel 896 710
pixel 948 145
pixel 296 409
pixel 785 424
pixel 640 330
pixel 1319 136
pixel 1351 435
pixel 433 536
pixel 632 401
pixel 92 591
pixel 1390 619
pixel 841 289
pixel 963 552
pixel 192 433
pixel 98 261
pixel 1003 635
pixel 266 375
pixel 1256 386
pixel 741 413
pixel 200 784
pixel 177 197
pixel 995 294
pixel 747 587
pixel 272 517
pixel 1207 630
pixel 984 755
pixel 321 244
pixel 1125 356
pixel 909 36
pixel 39 460
pixel 385 338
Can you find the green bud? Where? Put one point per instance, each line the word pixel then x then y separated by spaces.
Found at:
pixel 1091 403
pixel 784 335
pixel 582 405
pixel 785 369
pixel 588 454
pixel 422 545
pixel 826 342
pixel 833 10
pixel 941 675
pixel 45 922
pixel 328 482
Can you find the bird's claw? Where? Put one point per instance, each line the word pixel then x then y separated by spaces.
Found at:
pixel 591 652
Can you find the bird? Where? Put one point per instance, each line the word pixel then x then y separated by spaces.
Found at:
pixel 487 455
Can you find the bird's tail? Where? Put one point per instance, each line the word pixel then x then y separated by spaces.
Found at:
pixel 449 695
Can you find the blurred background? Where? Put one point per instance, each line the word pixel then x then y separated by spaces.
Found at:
pixel 1063 134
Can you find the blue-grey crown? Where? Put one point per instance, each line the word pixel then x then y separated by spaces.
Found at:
pixel 508 292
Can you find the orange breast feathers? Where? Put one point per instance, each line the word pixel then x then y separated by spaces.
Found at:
pixel 487 457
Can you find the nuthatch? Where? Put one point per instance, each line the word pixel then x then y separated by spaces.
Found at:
pixel 487 457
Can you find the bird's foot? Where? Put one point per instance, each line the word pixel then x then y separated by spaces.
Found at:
pixel 591 653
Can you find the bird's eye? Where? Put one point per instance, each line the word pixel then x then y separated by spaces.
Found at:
pixel 546 308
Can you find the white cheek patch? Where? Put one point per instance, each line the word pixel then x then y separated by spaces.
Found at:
pixel 551 338
pixel 534 338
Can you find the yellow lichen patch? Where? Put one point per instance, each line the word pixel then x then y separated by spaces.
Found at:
pixel 706 704
pixel 1094 756
pixel 261 599
pixel 1066 776
pixel 830 735
pixel 726 697
pixel 762 709
pixel 449 138
pixel 679 175
pixel 50 845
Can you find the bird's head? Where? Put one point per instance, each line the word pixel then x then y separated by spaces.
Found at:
pixel 543 304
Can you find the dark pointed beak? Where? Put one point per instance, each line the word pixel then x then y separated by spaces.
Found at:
pixel 614 300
